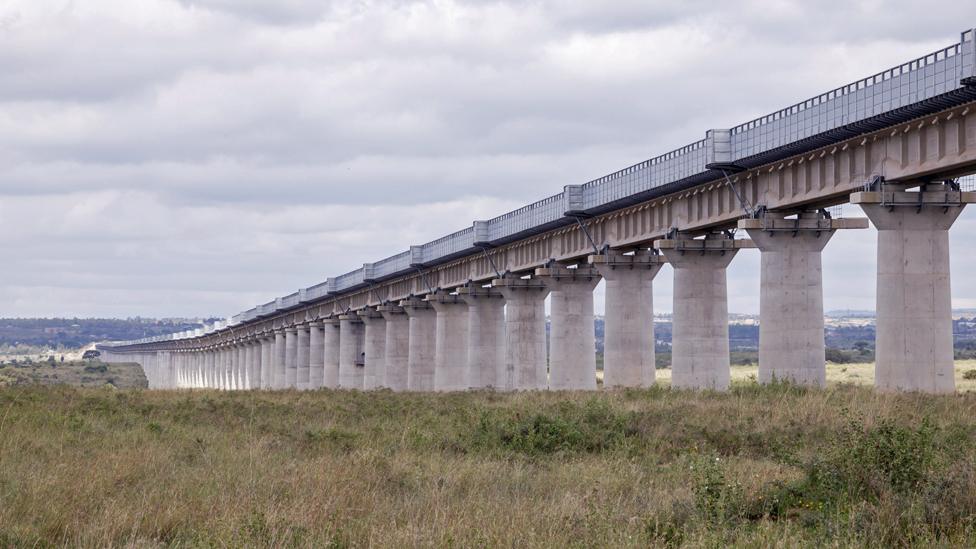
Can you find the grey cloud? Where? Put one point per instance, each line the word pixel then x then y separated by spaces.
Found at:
pixel 199 156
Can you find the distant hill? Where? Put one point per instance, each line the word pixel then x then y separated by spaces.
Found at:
pixel 73 333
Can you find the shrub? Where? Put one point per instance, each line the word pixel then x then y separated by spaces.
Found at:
pixel 970 374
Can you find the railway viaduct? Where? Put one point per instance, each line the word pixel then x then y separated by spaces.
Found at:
pixel 467 310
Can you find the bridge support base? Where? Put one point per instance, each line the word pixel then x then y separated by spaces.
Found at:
pixel 700 323
pixel 628 344
pixel 791 322
pixel 397 358
pixel 422 345
pixel 525 332
pixel 351 334
pixel 486 336
pixel 914 350
pixel 572 341
pixel 451 371
pixel 374 350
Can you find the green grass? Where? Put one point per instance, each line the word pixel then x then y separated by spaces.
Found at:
pixel 758 466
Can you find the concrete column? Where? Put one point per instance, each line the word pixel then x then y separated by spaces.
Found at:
pixel 525 333
pixel 316 354
pixel 241 366
pixel 351 333
pixel 628 328
pixel 451 370
pixel 422 344
pixel 249 356
pixel 278 361
pixel 700 322
pixel 267 353
pixel 791 321
pixel 303 354
pixel 374 368
pixel 224 370
pixel 211 374
pixel 486 336
pixel 914 347
pixel 397 347
pixel 572 335
pixel 291 357
pixel 330 343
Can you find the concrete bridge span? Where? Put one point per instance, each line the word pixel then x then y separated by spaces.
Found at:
pixel 467 310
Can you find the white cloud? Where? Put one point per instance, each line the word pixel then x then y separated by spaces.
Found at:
pixel 195 157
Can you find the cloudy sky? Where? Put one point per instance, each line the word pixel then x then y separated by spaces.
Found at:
pixel 197 157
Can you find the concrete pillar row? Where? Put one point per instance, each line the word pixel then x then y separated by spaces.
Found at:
pixel 525 333
pixel 316 356
pixel 302 358
pixel 914 345
pixel 351 364
pixel 628 344
pixel 572 336
pixel 374 348
pixel 486 336
pixel 451 371
pixel 422 344
pixel 397 347
pixel 700 321
pixel 331 336
pixel 278 360
pixel 791 321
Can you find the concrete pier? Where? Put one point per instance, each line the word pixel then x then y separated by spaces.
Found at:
pixel 330 352
pixel 486 336
pixel 422 344
pixel 303 353
pixel 628 342
pixel 241 366
pixel 700 322
pixel 451 372
pixel 374 350
pixel 316 356
pixel 572 339
pixel 351 334
pixel 525 333
pixel 914 347
pixel 278 361
pixel 397 347
pixel 249 365
pixel 264 361
pixel 791 320
pixel 291 357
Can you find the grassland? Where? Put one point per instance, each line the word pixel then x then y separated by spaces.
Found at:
pixel 78 373
pixel 770 466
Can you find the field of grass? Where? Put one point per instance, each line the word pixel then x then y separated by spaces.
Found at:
pixel 856 374
pixel 79 373
pixel 758 466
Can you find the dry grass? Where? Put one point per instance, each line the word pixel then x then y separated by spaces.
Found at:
pixel 100 468
pixel 79 373
pixel 856 374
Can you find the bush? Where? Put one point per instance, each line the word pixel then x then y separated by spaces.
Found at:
pixel 970 374
pixel 594 427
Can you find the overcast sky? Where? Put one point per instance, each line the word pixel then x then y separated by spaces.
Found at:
pixel 198 157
